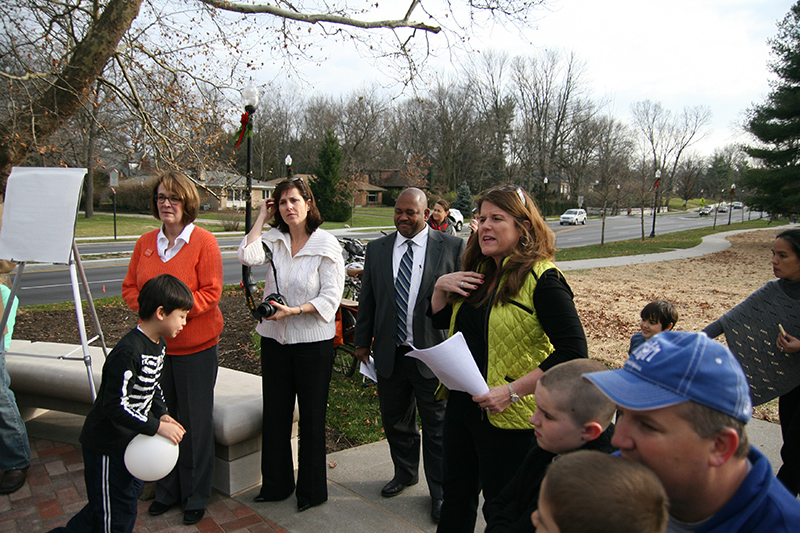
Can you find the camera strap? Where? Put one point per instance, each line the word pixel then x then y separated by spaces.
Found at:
pixel 250 287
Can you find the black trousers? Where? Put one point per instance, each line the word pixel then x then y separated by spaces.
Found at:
pixel 401 396
pixel 477 456
pixel 188 384
pixel 289 371
pixel 113 495
pixel 789 412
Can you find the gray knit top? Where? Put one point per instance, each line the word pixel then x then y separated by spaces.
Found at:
pixel 751 329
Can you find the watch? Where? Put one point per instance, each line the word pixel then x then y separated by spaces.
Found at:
pixel 514 396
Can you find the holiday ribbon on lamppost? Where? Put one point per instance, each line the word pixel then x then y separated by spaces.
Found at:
pixel 246 129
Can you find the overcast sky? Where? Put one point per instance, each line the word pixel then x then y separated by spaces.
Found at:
pixel 680 53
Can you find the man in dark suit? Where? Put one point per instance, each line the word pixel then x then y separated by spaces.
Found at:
pixel 399 274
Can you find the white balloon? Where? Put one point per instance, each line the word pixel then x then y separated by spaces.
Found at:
pixel 150 458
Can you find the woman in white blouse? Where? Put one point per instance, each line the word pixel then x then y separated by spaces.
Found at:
pixel 296 339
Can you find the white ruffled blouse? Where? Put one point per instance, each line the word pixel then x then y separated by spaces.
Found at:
pixel 315 275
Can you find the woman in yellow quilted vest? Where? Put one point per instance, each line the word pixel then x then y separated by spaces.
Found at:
pixel 516 313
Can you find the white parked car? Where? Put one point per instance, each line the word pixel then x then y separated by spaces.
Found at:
pixel 574 217
pixel 458 218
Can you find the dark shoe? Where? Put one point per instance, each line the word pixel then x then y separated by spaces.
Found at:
pixel 193 517
pixel 305 506
pixel 158 508
pixel 436 510
pixel 394 487
pixel 13 480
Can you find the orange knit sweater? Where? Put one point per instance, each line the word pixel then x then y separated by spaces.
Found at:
pixel 199 265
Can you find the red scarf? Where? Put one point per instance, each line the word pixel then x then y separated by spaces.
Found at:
pixel 441 227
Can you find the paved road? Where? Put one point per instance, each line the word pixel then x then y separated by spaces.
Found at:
pixel 51 283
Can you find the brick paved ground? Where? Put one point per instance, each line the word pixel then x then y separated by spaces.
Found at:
pixel 55 491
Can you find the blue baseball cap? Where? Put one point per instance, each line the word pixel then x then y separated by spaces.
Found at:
pixel 675 367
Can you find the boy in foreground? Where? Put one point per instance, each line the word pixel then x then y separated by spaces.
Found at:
pixel 657 316
pixel 569 416
pixel 683 403
pixel 129 402
pixel 597 492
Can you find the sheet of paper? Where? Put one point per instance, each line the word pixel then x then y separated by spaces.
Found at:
pixel 454 365
pixel 368 369
pixel 41 207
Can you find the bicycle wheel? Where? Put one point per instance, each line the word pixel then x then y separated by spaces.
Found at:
pixel 344 359
pixel 351 290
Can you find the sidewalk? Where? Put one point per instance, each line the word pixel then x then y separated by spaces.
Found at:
pixel 56 491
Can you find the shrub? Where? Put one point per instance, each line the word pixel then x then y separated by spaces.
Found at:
pixel 231 220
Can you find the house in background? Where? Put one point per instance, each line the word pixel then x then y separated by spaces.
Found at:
pixel 364 194
pixel 391 181
pixel 224 189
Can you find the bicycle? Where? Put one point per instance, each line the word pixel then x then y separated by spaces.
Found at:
pixel 344 358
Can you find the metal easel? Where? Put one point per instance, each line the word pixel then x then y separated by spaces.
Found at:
pixel 22 184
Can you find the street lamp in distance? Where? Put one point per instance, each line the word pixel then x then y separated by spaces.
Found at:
pixel 655 201
pixel 250 101
pixel 288 162
pixel 545 181
pixel 730 209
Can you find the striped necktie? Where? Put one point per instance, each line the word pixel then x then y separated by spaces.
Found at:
pixel 402 286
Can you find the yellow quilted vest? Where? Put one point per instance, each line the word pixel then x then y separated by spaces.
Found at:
pixel 517 345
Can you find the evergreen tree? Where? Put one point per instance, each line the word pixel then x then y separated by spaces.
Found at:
pixel 775 184
pixel 328 186
pixel 463 201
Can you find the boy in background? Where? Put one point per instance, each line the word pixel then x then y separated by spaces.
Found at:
pixel 129 402
pixel 569 416
pixel 593 491
pixel 657 316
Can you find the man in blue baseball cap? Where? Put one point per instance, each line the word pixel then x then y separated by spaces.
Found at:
pixel 683 403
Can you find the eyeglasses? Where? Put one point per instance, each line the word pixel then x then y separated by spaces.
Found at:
pixel 514 188
pixel 297 182
pixel 174 200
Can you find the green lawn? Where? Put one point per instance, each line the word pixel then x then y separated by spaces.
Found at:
pixel 102 225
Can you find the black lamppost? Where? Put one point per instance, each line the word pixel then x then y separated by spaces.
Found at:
pixel 250 100
pixel 655 201
pixel 730 209
pixel 288 162
pixel 546 181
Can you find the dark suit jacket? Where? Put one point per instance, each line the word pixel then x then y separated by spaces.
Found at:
pixel 377 313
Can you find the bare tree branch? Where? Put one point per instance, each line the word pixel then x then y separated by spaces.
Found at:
pixel 314 18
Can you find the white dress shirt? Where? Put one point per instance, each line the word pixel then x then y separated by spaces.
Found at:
pixel 162 242
pixel 420 247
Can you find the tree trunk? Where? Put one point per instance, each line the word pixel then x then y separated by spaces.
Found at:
pixel 88 185
pixel 21 132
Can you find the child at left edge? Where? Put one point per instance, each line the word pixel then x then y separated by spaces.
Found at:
pixel 129 402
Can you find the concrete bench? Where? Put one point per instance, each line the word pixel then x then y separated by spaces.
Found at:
pixel 63 385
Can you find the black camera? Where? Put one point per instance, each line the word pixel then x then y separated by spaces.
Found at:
pixel 266 309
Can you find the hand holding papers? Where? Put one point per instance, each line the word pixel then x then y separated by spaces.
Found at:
pixel 453 364
pixel 368 369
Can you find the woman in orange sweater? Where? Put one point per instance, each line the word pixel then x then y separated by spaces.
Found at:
pixel 191 254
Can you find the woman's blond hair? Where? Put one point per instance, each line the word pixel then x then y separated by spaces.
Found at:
pixel 537 242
